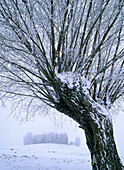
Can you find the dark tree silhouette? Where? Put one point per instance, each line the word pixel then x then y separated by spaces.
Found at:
pixel 69 55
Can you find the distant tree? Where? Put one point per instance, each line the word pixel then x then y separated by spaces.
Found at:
pixel 63 138
pixel 37 139
pixel 68 54
pixel 43 138
pixel 52 137
pixel 71 143
pixel 28 139
pixel 48 138
pixel 77 141
pixel 57 138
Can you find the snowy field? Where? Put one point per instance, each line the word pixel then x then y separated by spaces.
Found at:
pixel 44 157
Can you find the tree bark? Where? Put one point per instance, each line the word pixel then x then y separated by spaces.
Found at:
pixel 101 143
pixel 96 121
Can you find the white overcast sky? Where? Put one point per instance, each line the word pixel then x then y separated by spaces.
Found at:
pixel 12 132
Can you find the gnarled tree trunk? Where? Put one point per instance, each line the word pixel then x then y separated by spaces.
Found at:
pixel 96 121
pixel 101 143
pixel 40 41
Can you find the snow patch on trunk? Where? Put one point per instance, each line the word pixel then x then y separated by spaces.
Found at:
pixel 74 80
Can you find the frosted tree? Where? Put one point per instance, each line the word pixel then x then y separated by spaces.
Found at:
pixel 77 141
pixel 28 139
pixel 68 54
pixel 63 138
pixel 53 137
pixel 37 139
pixel 48 138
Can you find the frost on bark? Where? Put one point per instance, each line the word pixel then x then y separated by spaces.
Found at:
pixel 68 54
pixel 96 121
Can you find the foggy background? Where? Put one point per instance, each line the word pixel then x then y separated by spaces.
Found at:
pixel 12 131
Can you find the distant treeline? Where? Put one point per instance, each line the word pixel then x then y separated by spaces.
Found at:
pixel 52 137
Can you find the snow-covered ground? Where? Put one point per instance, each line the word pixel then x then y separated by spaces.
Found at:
pixel 50 156
pixel 44 157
